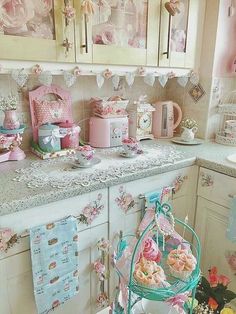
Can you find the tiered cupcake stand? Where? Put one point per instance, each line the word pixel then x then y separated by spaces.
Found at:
pixel 136 292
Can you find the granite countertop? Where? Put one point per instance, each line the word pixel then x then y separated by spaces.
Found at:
pixel 33 182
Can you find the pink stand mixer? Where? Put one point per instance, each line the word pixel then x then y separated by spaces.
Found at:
pixel 10 140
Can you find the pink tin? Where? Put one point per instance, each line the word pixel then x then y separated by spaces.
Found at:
pixel 71 140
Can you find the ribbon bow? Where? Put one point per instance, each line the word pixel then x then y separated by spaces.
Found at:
pixel 53 137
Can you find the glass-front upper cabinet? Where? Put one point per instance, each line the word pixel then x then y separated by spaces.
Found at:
pixel 178 34
pixel 36 30
pixel 119 32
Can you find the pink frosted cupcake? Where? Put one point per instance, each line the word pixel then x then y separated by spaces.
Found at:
pixel 151 251
pixel 181 263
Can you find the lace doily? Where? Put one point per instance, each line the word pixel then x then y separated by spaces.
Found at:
pixel 58 173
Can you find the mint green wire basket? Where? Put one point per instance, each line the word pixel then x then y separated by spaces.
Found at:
pixel 137 291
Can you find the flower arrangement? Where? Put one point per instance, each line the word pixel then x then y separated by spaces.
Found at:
pixel 188 123
pixel 213 291
pixel 125 201
pixel 8 103
pixel 7 239
pixel 91 211
pixel 103 245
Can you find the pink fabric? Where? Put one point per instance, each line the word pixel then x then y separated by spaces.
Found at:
pixel 51 112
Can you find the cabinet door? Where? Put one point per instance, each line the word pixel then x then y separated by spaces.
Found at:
pixel 211 226
pixel 119 32
pixel 178 35
pixel 125 206
pixel 35 30
pixel 16 287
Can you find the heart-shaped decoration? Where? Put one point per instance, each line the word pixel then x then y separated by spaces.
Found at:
pixel 170 7
pixel 194 78
pixel 149 79
pixel 45 78
pixel 115 81
pixel 100 80
pixel 163 79
pixel 20 76
pixel 129 78
pixel 182 81
pixel 69 78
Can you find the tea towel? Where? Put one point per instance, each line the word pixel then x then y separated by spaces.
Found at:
pixel 54 255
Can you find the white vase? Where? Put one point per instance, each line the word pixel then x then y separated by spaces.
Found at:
pixel 188 134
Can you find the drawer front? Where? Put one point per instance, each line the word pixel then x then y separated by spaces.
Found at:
pixel 95 202
pixel 216 187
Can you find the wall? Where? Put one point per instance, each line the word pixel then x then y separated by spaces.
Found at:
pixel 81 92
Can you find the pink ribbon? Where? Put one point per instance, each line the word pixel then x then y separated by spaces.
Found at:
pixel 178 302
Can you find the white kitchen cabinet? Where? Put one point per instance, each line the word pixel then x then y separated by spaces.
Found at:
pixel 179 34
pixel 16 287
pixel 211 225
pixel 185 181
pixel 215 191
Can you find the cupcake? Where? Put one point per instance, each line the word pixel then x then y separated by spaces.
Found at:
pixel 150 274
pixel 181 263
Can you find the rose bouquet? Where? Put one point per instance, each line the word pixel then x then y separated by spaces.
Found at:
pixel 213 291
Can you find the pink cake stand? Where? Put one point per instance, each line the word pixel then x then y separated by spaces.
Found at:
pixel 14 152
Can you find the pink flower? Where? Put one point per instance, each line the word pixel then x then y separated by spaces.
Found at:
pixel 151 251
pixel 100 269
pixel 77 71
pixel 69 12
pixel 85 148
pixel 103 245
pixel 37 69
pixel 87 211
pixel 129 140
pixel 107 74
pixel 5 236
pixel 231 259
pixel 224 280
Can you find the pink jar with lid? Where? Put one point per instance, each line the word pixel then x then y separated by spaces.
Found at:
pixel 71 140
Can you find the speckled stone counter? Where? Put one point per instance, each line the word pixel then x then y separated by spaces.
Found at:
pixel 21 194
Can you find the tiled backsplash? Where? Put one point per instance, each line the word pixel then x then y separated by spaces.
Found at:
pixel 81 92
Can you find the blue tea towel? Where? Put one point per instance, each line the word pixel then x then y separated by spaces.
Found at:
pixel 231 230
pixel 54 255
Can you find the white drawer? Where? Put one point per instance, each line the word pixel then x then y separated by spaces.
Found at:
pixel 23 220
pixel 216 187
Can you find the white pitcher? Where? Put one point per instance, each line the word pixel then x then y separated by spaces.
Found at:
pixel 188 134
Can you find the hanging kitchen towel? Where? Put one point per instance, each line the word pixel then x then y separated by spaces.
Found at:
pixel 54 255
pixel 231 230
pixel 162 195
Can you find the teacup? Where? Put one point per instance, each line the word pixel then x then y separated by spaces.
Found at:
pixel 85 154
pixel 130 146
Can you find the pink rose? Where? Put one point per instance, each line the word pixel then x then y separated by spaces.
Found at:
pixel 231 259
pixel 151 251
pixel 224 280
pixel 87 211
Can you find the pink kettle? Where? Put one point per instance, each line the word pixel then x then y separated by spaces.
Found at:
pixel 166 118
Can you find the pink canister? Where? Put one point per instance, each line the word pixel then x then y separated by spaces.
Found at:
pixel 71 140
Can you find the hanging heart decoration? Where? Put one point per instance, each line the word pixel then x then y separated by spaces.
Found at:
pixel 129 78
pixel 45 78
pixel 115 81
pixel 20 77
pixel 100 80
pixel 182 81
pixel 163 79
pixel 69 78
pixel 107 74
pixel 194 78
pixel 149 79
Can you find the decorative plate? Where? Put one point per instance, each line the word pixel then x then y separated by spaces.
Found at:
pixel 178 140
pixel 232 158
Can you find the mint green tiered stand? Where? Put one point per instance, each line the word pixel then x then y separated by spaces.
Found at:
pixel 136 291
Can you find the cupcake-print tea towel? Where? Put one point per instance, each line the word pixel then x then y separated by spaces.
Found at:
pixel 54 255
